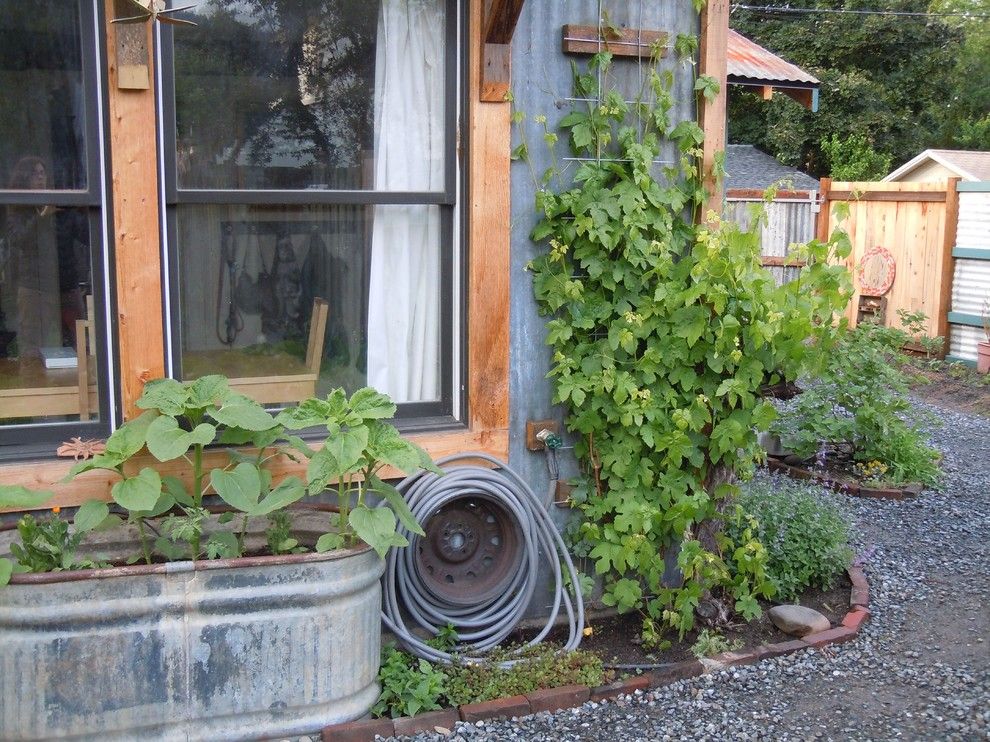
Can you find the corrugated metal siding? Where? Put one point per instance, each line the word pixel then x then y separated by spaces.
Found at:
pixel 971 281
pixel 787 223
pixel 963 340
pixel 974 220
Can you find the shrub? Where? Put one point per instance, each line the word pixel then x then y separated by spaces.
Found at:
pixel 806 538
pixel 859 403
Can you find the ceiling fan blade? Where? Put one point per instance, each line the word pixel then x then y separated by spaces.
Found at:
pixel 132 19
pixel 175 21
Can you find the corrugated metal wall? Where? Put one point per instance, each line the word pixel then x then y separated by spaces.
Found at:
pixel 541 83
pixel 788 221
pixel 971 280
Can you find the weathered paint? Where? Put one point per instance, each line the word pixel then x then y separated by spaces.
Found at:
pixel 787 222
pixel 264 647
pixel 971 279
pixel 542 79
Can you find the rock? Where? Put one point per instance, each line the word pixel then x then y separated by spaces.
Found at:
pixel 795 460
pixel 797 620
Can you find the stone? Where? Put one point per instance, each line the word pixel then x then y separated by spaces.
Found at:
pixel 797 620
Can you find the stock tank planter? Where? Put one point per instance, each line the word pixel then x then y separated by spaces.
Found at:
pixel 209 650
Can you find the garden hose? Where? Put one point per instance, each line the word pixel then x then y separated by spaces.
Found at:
pixel 480 626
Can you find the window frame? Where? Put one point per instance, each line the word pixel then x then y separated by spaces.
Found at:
pixel 20 441
pixel 445 413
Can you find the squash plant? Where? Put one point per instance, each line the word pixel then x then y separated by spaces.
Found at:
pixel 181 419
pixel 664 330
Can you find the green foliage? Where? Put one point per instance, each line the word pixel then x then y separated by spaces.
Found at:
pixel 859 402
pixel 50 545
pixel 853 158
pixel 541 666
pixel 901 83
pixel 409 685
pixel 182 419
pixel 278 535
pixel 806 538
pixel 710 643
pixel 663 333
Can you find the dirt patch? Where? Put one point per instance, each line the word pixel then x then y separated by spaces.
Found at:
pixel 616 638
pixel 953 386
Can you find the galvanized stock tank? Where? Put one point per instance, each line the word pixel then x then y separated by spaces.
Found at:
pixel 207 650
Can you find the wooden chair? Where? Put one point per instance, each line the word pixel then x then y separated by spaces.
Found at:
pixel 85 360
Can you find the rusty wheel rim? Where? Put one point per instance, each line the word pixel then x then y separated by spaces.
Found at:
pixel 471 551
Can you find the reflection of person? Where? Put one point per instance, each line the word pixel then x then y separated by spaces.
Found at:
pixel 32 263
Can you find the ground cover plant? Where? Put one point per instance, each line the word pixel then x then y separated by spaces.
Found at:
pixel 664 330
pixel 857 408
pixel 180 421
pixel 806 538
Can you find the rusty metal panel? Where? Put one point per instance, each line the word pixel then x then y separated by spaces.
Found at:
pixel 746 58
pixel 191 651
pixel 974 220
pixel 787 223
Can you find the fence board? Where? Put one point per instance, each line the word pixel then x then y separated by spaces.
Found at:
pixel 790 219
pixel 909 220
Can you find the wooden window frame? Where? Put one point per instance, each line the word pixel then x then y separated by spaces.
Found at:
pixel 138 261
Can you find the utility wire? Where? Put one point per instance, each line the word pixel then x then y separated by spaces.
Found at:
pixel 845 11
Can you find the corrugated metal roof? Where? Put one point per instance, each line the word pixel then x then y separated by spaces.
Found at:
pixel 747 59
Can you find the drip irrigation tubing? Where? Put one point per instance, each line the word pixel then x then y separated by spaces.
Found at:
pixel 480 627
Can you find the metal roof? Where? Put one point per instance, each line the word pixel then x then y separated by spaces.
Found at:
pixel 750 61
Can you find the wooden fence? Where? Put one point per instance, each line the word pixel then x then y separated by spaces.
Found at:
pixel 916 223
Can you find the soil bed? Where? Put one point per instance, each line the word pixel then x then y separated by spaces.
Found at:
pixel 616 638
pixel 954 387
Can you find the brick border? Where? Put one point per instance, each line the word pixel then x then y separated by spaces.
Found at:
pixel 551 699
pixel 841 484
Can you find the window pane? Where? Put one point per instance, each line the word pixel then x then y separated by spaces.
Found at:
pixel 321 94
pixel 47 352
pixel 42 106
pixel 251 284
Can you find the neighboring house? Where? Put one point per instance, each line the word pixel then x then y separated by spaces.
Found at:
pixel 939 164
pixel 748 168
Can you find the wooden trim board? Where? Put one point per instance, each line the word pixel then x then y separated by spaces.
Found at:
pixel 711 114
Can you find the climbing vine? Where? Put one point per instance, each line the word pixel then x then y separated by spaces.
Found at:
pixel 664 330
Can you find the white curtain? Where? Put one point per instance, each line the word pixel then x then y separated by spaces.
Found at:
pixel 404 293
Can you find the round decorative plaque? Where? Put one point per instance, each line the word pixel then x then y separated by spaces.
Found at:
pixel 876 272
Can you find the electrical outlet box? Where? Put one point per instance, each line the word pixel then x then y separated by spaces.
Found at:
pixel 533 427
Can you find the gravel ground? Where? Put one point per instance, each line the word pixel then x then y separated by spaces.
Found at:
pixel 920 670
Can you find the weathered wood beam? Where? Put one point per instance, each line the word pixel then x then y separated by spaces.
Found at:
pixel 626 42
pixel 497 26
pixel 712 62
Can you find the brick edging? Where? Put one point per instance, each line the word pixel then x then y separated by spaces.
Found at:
pixel 553 699
pixel 840 484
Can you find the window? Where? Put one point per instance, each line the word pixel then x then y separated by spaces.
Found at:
pixel 52 367
pixel 310 186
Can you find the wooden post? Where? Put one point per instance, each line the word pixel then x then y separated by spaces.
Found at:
pixel 822 227
pixel 498 22
pixel 948 261
pixel 713 45
pixel 488 273
pixel 137 252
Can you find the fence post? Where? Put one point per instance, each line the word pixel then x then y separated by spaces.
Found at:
pixel 948 261
pixel 821 223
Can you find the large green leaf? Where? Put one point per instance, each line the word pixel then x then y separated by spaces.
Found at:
pixel 90 515
pixel 16 497
pixel 347 446
pixel 166 395
pixel 322 469
pixel 175 489
pixel 167 441
pixel 239 488
pixel 307 414
pixel 288 491
pixel 208 390
pixel 140 492
pixel 129 438
pixel 376 527
pixel 386 445
pixel 240 412
pixel 6 570
pixel 398 504
pixel 371 404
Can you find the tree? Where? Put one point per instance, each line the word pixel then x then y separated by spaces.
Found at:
pixel 884 79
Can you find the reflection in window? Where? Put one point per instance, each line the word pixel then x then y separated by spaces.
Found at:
pixel 339 104
pixel 47 357
pixel 279 95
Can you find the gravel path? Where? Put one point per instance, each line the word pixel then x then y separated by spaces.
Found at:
pixel 920 670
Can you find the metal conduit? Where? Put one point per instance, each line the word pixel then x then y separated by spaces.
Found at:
pixel 497 505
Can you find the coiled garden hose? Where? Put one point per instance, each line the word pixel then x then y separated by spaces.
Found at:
pixel 481 626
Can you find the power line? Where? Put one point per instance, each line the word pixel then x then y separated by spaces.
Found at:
pixel 845 11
